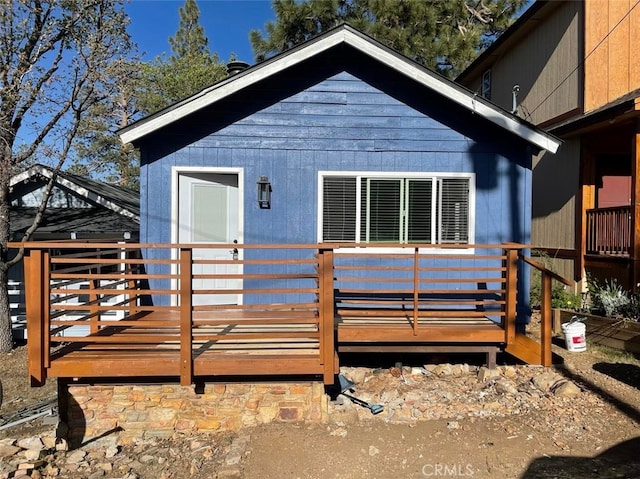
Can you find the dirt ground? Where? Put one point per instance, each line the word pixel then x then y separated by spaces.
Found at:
pixel 594 435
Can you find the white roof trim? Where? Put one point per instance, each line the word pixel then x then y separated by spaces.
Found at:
pixel 82 192
pixel 235 84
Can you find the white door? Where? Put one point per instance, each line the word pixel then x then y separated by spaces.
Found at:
pixel 208 212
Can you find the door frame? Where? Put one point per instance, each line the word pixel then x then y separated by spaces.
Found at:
pixel 176 171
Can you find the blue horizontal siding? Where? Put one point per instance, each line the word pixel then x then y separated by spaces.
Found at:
pixel 341 123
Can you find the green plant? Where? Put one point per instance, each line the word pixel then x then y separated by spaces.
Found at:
pixel 609 297
pixel 632 309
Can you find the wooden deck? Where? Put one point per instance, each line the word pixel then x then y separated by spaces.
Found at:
pixel 154 311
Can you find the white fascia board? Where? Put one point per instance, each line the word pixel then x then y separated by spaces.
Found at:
pixel 216 93
pixel 82 192
pixel 223 90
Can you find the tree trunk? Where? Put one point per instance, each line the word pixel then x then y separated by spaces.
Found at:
pixel 6 329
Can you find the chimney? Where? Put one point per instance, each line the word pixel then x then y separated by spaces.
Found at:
pixel 236 66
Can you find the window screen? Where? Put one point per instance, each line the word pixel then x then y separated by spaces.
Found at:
pixel 428 209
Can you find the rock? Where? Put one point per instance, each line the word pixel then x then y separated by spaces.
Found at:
pixel 147 459
pixel 49 442
pixel 62 445
pixel 389 395
pixel 51 471
pixel 545 381
pixel 233 458
pixel 32 454
pixel 419 372
pixel 31 465
pixel 485 374
pixel 566 389
pixel 229 473
pixel 105 466
pixel 7 450
pixel 97 475
pixel 373 450
pixel 443 370
pixel 76 457
pixel 509 372
pixel 31 443
pixel 504 386
pixel 111 452
pixel 453 425
pixel 357 375
pixel 341 432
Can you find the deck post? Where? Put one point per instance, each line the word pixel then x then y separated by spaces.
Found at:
pixel 34 286
pixel 186 323
pixel 46 309
pixel 416 290
pixel 511 277
pixel 326 314
pixel 94 310
pixel 545 320
pixel 132 296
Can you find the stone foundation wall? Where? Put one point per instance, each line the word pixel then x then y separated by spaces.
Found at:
pixel 160 410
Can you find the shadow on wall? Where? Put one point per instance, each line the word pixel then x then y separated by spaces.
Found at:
pixel 621 460
pixel 555 179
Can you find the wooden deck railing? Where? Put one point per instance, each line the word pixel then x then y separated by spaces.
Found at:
pixel 182 298
pixel 609 230
pixel 419 284
pixel 127 310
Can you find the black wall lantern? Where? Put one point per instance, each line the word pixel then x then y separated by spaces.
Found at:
pixel 264 192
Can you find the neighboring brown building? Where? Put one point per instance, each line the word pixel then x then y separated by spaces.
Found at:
pixel 572 68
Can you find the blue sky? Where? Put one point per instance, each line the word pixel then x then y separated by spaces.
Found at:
pixel 226 23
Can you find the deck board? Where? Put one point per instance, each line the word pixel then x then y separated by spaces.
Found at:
pixel 245 344
pixel 374 329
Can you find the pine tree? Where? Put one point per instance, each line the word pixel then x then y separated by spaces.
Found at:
pixel 190 68
pixel 190 39
pixel 442 35
pixel 98 151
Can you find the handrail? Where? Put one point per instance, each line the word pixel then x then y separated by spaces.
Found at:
pixel 545 306
pixel 543 268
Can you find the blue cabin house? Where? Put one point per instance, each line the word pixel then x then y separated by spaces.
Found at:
pixel 339 140
pixel 335 198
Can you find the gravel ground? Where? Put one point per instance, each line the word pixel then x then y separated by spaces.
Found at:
pixel 443 417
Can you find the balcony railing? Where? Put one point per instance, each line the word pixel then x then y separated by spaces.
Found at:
pixel 609 230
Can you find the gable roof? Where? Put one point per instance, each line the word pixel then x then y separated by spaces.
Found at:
pixel 342 35
pixel 114 210
pixel 121 200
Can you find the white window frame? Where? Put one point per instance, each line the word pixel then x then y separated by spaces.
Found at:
pixel 464 248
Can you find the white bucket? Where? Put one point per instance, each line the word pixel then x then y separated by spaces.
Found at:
pixel 575 336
